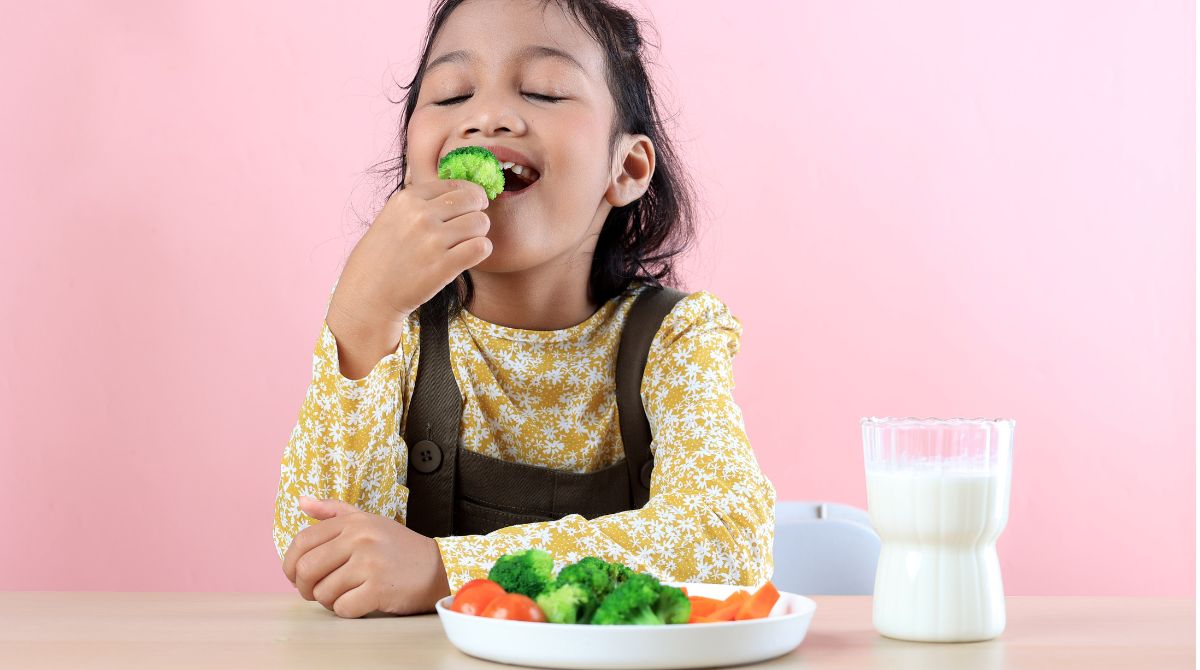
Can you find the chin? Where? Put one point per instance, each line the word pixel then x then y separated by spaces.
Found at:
pixel 500 260
pixel 504 258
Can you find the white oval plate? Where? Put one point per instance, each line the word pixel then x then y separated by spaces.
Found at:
pixel 547 645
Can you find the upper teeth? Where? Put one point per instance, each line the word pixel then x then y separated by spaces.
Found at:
pixel 509 165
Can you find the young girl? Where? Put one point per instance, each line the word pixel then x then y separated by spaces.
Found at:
pixel 496 376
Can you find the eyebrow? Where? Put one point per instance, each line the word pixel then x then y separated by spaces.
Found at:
pixel 530 52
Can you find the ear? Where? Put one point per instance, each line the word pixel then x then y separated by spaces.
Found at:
pixel 632 169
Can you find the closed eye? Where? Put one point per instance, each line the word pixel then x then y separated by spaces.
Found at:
pixel 452 101
pixel 543 98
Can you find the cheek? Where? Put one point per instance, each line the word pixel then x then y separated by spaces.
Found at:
pixel 423 145
pixel 585 154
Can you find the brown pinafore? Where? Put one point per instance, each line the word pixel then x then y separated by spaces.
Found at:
pixel 456 491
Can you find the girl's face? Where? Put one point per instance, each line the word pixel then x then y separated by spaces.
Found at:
pixel 508 74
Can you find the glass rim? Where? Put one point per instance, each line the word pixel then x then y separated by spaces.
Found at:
pixel 933 421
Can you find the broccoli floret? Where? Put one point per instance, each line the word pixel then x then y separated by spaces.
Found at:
pixel 591 573
pixel 642 600
pixel 528 572
pixel 619 573
pixel 634 602
pixel 579 589
pixel 567 603
pixel 474 164
pixel 673 605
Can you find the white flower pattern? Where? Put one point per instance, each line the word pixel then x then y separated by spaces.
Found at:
pixel 548 398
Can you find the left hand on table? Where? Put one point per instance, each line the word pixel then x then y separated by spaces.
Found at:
pixel 354 562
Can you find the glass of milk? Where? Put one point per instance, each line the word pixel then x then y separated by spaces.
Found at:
pixel 937 493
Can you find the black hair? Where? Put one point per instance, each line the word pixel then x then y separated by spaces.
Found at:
pixel 638 241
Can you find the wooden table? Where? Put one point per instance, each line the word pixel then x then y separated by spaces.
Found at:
pixel 281 630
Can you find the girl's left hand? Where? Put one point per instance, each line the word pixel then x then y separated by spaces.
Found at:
pixel 355 562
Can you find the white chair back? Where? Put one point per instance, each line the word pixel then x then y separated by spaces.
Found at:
pixel 824 548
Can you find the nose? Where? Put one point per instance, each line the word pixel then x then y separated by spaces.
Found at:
pixel 491 116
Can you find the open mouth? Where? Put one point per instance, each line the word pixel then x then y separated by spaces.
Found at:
pixel 518 177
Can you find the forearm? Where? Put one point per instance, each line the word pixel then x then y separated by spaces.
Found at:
pixel 719 531
pixel 345 444
pixel 674 541
pixel 361 341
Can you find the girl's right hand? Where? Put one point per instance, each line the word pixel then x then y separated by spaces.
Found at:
pixel 426 235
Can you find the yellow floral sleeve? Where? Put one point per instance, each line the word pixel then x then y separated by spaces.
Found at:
pixel 345 444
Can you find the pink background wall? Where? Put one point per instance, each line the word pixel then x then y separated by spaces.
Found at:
pixel 919 208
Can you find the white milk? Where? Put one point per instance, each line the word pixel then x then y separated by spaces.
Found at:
pixel 939 576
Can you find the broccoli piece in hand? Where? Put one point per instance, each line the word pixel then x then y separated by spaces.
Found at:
pixel 642 600
pixel 474 164
pixel 567 603
pixel 528 572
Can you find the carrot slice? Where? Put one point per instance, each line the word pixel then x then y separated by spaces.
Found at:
pixel 699 619
pixel 725 612
pixel 759 605
pixel 684 589
pixel 702 606
pixel 737 597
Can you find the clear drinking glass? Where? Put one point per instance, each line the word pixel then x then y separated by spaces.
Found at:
pixel 938 493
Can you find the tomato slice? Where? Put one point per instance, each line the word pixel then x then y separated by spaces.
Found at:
pixel 480 582
pixel 514 607
pixel 475 596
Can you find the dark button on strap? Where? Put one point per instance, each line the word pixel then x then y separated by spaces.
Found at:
pixel 646 470
pixel 426 456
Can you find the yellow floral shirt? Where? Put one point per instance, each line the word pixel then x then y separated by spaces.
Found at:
pixel 548 398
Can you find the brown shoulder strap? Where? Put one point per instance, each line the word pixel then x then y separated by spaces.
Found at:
pixel 431 431
pixel 645 316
